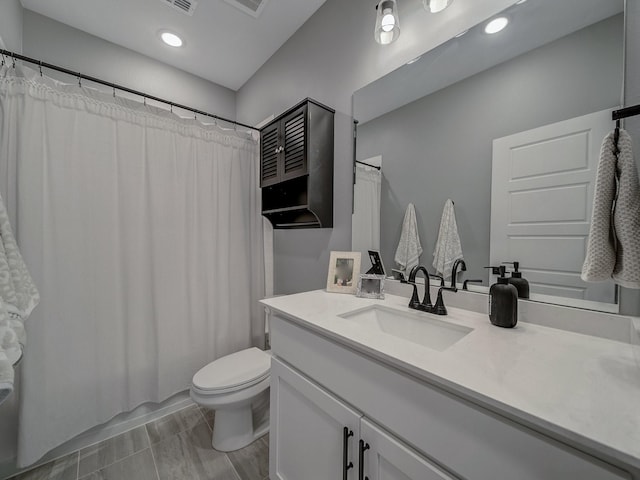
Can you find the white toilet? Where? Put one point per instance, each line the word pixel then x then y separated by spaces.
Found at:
pixel 231 385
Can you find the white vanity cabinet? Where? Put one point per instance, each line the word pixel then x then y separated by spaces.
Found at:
pixel 316 436
pixel 415 430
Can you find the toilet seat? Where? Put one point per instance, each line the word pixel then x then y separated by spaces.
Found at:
pixel 233 372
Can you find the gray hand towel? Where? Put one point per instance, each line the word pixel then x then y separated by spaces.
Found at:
pixel 613 249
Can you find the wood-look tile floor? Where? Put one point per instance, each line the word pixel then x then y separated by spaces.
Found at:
pixel 175 447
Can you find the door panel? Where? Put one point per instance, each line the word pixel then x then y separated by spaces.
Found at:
pixel 294 127
pixel 269 155
pixel 390 459
pixel 541 199
pixel 307 429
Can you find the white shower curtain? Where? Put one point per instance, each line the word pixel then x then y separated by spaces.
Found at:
pixel 143 232
pixel 365 222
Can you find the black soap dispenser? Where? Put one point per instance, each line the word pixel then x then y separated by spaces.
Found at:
pixel 503 301
pixel 521 284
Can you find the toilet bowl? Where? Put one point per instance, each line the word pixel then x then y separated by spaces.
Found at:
pixel 231 385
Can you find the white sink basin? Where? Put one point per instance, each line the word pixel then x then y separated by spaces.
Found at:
pixel 415 327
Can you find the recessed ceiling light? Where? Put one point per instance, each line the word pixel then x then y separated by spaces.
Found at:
pixel 496 25
pixel 171 39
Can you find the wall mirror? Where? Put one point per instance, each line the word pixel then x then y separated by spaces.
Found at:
pixel 508 126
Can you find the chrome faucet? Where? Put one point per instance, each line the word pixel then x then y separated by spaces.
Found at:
pixel 415 303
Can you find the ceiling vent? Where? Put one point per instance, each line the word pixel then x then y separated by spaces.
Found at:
pixel 251 7
pixel 185 6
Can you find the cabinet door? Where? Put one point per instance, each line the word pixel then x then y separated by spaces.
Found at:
pixel 269 155
pixel 307 434
pixel 294 140
pixel 389 459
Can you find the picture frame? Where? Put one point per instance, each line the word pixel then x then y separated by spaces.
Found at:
pixel 377 267
pixel 344 271
pixel 371 286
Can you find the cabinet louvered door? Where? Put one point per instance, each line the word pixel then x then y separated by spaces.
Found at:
pixel 270 155
pixel 294 132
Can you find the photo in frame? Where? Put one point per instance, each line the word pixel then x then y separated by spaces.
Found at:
pixel 370 286
pixel 344 271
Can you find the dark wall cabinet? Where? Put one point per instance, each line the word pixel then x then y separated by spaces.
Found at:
pixel 296 170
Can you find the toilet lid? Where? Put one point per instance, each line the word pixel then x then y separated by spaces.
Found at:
pixel 244 367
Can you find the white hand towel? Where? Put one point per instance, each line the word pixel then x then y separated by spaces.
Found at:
pixel 409 247
pixel 613 249
pixel 448 247
pixel 18 296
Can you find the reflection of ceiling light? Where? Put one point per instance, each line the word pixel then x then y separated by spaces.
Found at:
pixel 435 6
pixel 414 60
pixel 520 2
pixel 496 25
pixel 387 22
pixel 171 39
pixel 462 33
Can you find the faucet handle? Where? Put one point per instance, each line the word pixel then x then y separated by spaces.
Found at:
pixel 433 275
pixel 439 308
pixel 464 285
pixel 415 300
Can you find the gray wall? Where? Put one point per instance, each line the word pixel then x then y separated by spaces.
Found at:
pixel 53 42
pixel 328 58
pixel 11 26
pixel 630 299
pixel 440 146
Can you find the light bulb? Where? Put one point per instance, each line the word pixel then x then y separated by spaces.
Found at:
pixel 496 25
pixel 388 22
pixel 171 39
pixel 435 6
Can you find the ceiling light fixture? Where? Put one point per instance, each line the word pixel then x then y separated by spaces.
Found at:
pixel 171 39
pixel 496 25
pixel 387 22
pixel 435 6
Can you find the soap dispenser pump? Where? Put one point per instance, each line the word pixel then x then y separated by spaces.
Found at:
pixel 521 284
pixel 503 301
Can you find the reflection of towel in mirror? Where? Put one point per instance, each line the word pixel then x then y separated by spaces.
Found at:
pixel 18 297
pixel 613 249
pixel 409 248
pixel 448 248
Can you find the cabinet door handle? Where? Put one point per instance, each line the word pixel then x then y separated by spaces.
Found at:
pixel 277 150
pixel 346 465
pixel 363 448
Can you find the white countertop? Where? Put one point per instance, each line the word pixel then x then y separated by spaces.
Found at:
pixel 581 389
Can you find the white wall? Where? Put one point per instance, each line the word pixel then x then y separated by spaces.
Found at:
pixel 328 58
pixel 11 25
pixel 56 43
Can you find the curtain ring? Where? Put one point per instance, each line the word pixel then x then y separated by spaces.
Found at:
pixel 171 107
pixel 14 62
pixel 79 80
pixel 114 90
pixel 40 67
pixel 144 101
pixel 3 62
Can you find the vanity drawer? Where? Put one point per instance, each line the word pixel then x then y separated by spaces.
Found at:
pixel 468 440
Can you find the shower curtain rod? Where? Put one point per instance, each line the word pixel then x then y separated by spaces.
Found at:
pixel 16 56
pixel 369 165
